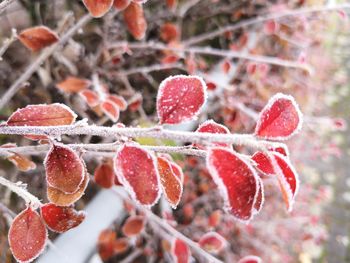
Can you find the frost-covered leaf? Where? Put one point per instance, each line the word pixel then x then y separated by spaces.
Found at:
pixel 109 245
pixel 180 252
pixel 104 175
pixel 73 84
pixel 236 180
pixel 133 226
pixel 90 97
pixel 111 110
pixel 64 169
pixel 211 126
pixel 259 202
pixel 171 184
pixel 22 162
pixel 250 259
pixel 62 199
pixel 37 38
pixel 136 169
pixel 212 242
pixel 135 20
pixel 42 115
pixel 280 118
pixel 27 236
pixel 119 101
pixel 98 8
pixel 61 219
pixel 263 163
pixel 180 98
pixel 121 4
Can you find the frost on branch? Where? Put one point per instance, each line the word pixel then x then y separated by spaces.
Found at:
pixel 180 98
pixel 171 183
pixel 136 170
pixel 280 119
pixel 180 251
pixel 27 236
pixel 64 169
pixel 98 8
pixel 133 226
pixel 61 219
pixel 212 242
pixel 42 115
pixel 37 38
pixel 237 181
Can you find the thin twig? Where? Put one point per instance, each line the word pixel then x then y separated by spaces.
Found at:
pixel 261 19
pixel 7 42
pixel 4 4
pixel 40 59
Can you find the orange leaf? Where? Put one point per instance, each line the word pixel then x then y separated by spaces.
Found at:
pixel 73 84
pixel 23 163
pixel 37 38
pixel 98 8
pixel 135 20
pixel 133 226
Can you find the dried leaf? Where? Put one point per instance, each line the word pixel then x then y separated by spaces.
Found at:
pixel 73 84
pixel 236 180
pixel 180 98
pixel 27 236
pixel 98 8
pixel 61 219
pixel 136 169
pixel 37 38
pixel 135 20
pixel 64 169
pixel 280 119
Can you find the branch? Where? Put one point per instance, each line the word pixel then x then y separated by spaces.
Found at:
pixel 124 133
pixel 261 19
pixel 20 190
pixel 216 52
pixel 4 4
pixel 11 91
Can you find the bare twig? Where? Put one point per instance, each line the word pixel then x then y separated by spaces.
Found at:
pixel 7 42
pixel 4 4
pixel 40 59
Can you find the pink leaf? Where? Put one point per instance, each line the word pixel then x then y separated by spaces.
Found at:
pixel 90 97
pixel 61 219
pixel 211 126
pixel 171 184
pixel 212 242
pixel 136 169
pixel 180 98
pixel 119 101
pixel 237 182
pixel 271 27
pixel 280 119
pixel 133 226
pixel 98 8
pixel 37 38
pixel 42 115
pixel 180 251
pixel 111 110
pixel 64 169
pixel 27 236
pixel 250 259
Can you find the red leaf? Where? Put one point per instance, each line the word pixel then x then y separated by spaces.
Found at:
pixel 260 198
pixel 178 172
pixel 226 66
pixel 62 199
pixel 119 101
pixel 61 219
pixel 237 181
pixel 98 8
pixel 171 4
pixel 133 226
pixel 121 4
pixel 111 110
pixel 250 259
pixel 64 169
pixel 215 218
pixel 180 251
pixel 136 169
pixel 37 38
pixel 108 245
pixel 212 242
pixel 73 84
pixel 180 98
pixel 135 20
pixel 104 175
pixel 211 126
pixel 282 149
pixel 263 163
pixel 27 236
pixel 90 97
pixel 271 27
pixel 171 184
pixel 280 119
pixel 42 115
pixel 169 32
